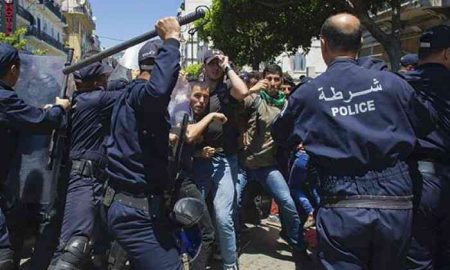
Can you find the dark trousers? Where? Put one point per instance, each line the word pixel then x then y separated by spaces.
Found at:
pixel 150 244
pixel 430 243
pixel 353 238
pixel 82 211
pixel 6 252
pixel 372 231
pixel 189 189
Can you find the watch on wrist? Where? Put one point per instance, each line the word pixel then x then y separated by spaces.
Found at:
pixel 227 68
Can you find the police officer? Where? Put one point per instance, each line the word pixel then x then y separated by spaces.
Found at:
pixel 17 116
pixel 430 245
pixel 138 156
pixel 90 123
pixel 359 126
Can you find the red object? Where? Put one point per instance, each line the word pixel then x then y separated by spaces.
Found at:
pixel 311 237
pixel 274 208
pixel 9 17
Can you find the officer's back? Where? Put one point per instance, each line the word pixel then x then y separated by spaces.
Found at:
pixel 359 126
pixel 90 116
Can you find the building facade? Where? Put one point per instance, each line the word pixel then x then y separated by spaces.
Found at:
pixel 44 23
pixel 80 29
pixel 416 17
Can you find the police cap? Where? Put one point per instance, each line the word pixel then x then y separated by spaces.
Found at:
pixel 8 55
pixel 148 53
pixel 409 59
pixel 92 72
pixel 437 37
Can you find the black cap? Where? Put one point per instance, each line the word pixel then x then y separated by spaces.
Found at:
pixel 8 55
pixel 147 53
pixel 92 71
pixel 437 37
pixel 210 55
pixel 409 59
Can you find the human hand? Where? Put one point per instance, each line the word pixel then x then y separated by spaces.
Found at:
pixel 208 152
pixel 219 117
pixel 64 103
pixel 168 28
pixel 260 85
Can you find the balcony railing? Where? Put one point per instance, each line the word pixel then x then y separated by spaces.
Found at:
pixel 25 14
pixel 33 31
pixel 54 9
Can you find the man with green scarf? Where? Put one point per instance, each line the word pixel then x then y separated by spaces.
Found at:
pixel 257 155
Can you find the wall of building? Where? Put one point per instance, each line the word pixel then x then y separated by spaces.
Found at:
pixel 46 28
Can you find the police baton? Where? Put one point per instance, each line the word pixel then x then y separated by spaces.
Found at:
pixel 191 17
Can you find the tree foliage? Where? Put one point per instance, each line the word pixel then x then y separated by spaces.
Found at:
pixel 193 70
pixel 16 39
pixel 251 31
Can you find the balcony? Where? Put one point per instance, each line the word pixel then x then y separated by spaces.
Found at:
pixel 33 31
pixel 22 12
pixel 53 8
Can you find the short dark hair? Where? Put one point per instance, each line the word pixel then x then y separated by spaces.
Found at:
pixel 4 71
pixel 425 53
pixel 341 40
pixel 272 68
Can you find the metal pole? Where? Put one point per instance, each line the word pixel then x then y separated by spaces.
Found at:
pixel 191 17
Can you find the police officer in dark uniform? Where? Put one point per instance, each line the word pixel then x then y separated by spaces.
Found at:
pixel 430 245
pixel 17 116
pixel 359 126
pixel 89 124
pixel 138 150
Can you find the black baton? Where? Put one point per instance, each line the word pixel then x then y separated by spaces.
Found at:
pixel 191 17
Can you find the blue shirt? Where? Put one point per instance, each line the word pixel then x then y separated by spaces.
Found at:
pixel 90 123
pixel 17 116
pixel 352 119
pixel 433 82
pixel 138 146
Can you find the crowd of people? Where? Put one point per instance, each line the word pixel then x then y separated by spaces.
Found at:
pixel 357 159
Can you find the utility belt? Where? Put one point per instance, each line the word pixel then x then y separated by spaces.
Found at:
pixel 368 201
pixel 150 203
pixel 89 168
pixel 185 211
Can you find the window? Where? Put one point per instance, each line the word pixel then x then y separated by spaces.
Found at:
pixel 299 62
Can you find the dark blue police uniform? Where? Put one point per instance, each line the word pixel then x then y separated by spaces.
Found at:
pixel 90 124
pixel 358 133
pixel 430 245
pixel 138 151
pixel 16 116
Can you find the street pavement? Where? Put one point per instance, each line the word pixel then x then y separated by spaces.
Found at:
pixel 263 249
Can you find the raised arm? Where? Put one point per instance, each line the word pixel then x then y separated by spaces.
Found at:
pixel 194 131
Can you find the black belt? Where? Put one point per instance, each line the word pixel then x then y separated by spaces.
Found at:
pixel 369 201
pixel 88 168
pixel 152 204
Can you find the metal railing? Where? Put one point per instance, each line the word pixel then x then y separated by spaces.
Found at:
pixel 33 31
pixel 22 12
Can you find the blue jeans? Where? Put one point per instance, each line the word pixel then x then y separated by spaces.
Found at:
pixel 273 182
pixel 219 175
pixel 298 176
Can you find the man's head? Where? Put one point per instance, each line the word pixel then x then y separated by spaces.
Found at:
pixel 92 77
pixel 146 57
pixel 211 60
pixel 199 97
pixel 435 46
pixel 9 64
pixel 274 75
pixel 408 62
pixel 341 36
pixel 288 84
